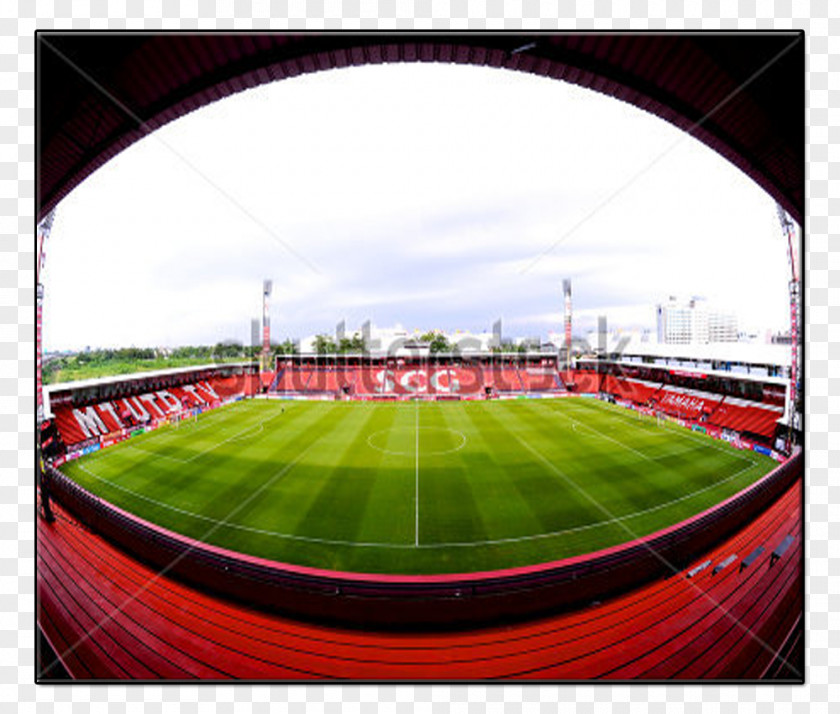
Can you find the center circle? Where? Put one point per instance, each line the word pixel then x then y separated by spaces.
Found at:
pixel 408 440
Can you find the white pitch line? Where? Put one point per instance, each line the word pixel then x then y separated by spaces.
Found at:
pixel 674 428
pixel 391 452
pixel 231 438
pixel 259 428
pixel 155 454
pixel 160 434
pixel 608 521
pixel 680 452
pixel 689 434
pixel 604 436
pixel 428 546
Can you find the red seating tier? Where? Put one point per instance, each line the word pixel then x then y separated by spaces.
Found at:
pixel 730 413
pixel 631 389
pixel 407 380
pixel 686 405
pixel 80 423
pixel 538 380
pixel 757 418
pixel 108 615
pixel 585 381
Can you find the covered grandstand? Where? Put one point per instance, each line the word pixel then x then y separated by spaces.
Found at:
pixel 96 413
pixel 736 400
pixel 122 598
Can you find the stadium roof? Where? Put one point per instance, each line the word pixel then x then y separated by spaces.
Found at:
pixel 746 353
pixel 723 374
pixel 742 95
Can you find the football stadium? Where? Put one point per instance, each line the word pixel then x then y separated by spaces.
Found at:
pixel 403 514
pixel 427 487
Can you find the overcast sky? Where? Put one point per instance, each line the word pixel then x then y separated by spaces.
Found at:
pixel 435 196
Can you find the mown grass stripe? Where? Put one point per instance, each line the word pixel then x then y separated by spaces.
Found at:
pixel 497 500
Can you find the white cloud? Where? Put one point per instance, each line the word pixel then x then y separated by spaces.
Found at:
pixel 419 194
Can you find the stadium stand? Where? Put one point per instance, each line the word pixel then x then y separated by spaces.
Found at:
pixel 443 379
pixel 323 379
pixel 686 403
pixel 747 417
pixel 290 380
pixel 266 379
pixel 503 378
pixel 109 616
pixel 754 418
pixel 635 390
pixel 306 378
pixel 510 377
pixel 364 380
pixel 539 379
pixel 585 381
pixel 78 422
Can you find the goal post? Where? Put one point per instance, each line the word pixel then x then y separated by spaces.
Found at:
pixel 176 419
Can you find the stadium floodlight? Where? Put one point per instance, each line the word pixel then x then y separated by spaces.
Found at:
pixel 44 229
pixel 567 299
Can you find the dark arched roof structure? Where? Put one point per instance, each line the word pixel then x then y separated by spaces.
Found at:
pixel 742 95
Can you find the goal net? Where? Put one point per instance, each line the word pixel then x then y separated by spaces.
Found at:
pixel 178 418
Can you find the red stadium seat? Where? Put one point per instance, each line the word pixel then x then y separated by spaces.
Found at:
pixel 742 416
pixel 110 616
pixel 77 424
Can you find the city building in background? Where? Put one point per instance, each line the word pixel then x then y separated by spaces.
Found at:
pixel 694 322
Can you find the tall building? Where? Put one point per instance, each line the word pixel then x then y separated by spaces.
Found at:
pixel 674 322
pixel 723 327
pixel 693 322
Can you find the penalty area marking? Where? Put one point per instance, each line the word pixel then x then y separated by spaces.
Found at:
pixel 248 433
pixel 253 431
pixel 673 429
pixel 155 454
pixel 236 436
pixel 416 451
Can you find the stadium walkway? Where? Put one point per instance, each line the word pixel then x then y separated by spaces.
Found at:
pixel 109 616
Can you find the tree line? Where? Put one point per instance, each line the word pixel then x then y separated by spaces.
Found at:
pixel 124 360
pixel 436 341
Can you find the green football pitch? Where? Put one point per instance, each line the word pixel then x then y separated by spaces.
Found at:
pixel 418 487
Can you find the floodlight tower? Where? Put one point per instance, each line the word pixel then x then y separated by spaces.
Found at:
pixel 794 402
pixel 567 295
pixel 265 362
pixel 44 229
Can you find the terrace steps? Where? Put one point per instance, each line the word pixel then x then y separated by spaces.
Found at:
pixel 155 627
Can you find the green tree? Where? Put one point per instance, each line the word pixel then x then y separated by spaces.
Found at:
pixel 324 345
pixel 287 347
pixel 354 345
pixel 436 340
pixel 228 349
